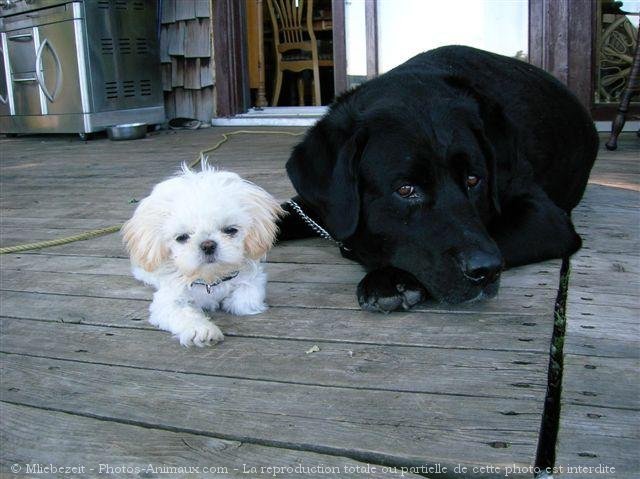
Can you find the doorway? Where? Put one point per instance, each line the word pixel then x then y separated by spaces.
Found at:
pixel 290 48
pixel 367 37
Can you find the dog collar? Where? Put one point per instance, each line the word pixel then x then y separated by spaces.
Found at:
pixel 210 286
pixel 319 230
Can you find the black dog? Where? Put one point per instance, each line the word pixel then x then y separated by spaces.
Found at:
pixel 444 170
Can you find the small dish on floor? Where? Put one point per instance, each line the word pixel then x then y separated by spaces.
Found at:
pixel 127 131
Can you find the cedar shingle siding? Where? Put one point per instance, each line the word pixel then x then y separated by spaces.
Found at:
pixel 186 54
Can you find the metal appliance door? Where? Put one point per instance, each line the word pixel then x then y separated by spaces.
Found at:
pixel 26 94
pixel 4 91
pixel 123 53
pixel 57 68
pixel 22 50
pixel 21 53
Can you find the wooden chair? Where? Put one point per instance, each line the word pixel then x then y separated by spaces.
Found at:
pixel 295 45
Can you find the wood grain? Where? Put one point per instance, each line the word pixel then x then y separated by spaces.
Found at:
pixel 601 387
pixel 380 426
pixel 134 447
pixel 515 375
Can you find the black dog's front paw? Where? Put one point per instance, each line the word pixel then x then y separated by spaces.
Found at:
pixel 389 289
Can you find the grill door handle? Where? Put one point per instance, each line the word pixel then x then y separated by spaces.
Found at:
pixel 22 37
pixel 2 98
pixel 40 72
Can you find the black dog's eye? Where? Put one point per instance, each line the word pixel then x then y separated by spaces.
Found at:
pixel 230 230
pixel 472 181
pixel 182 238
pixel 407 191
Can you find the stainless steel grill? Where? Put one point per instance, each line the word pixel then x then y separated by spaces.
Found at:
pixel 78 66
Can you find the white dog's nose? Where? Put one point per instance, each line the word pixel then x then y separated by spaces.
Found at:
pixel 208 246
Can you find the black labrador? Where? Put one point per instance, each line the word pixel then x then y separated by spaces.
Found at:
pixel 443 171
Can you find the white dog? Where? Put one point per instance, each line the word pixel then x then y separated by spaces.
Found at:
pixel 198 239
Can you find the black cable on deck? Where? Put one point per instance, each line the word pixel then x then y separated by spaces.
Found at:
pixel 547 439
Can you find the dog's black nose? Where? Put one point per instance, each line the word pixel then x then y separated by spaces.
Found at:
pixel 481 267
pixel 208 246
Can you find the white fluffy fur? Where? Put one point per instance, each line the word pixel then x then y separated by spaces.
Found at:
pixel 201 205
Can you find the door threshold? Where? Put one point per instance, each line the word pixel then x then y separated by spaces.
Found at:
pixel 275 116
pixel 309 115
pixel 630 125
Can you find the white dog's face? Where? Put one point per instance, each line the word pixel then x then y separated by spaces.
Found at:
pixel 206 239
pixel 202 225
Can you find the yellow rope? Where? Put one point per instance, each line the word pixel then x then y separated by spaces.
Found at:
pixel 113 229
pixel 57 242
pixel 225 137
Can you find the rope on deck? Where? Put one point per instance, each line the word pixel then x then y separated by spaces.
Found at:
pixel 225 137
pixel 203 155
pixel 57 242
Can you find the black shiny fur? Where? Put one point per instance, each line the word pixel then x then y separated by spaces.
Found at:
pixel 431 122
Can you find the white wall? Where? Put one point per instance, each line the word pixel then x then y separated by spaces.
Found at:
pixel 408 27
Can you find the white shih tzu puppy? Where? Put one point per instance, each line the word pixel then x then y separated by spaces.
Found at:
pixel 198 239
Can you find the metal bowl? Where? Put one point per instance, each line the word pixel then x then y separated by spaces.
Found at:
pixel 127 131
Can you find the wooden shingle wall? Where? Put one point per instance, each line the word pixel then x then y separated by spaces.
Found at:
pixel 186 54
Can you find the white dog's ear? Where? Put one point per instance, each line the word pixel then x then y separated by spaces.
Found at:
pixel 264 210
pixel 142 235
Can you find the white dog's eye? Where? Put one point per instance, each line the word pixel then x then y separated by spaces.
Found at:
pixel 182 238
pixel 230 230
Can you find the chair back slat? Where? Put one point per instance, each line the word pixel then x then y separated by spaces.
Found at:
pixel 296 46
pixel 290 21
pixel 299 18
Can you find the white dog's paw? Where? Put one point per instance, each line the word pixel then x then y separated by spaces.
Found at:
pixel 244 308
pixel 200 333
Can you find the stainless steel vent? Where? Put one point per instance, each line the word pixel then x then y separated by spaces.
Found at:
pixel 145 88
pixel 128 88
pixel 121 4
pixel 106 45
pixel 124 46
pixel 111 90
pixel 142 46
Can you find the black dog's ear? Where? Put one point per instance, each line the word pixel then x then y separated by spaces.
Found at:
pixel 501 136
pixel 495 132
pixel 491 152
pixel 324 172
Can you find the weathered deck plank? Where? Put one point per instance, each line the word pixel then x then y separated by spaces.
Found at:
pixel 377 426
pixel 510 301
pixel 381 367
pixel 437 329
pixel 32 436
pixel 600 420
pixel 291 269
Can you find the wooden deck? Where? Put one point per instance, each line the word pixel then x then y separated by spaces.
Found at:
pixel 600 419
pixel 86 381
